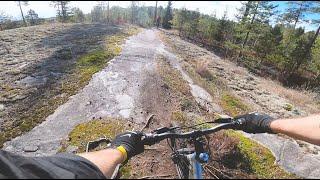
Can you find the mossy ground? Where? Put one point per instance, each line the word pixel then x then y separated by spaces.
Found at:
pixel 261 161
pixel 232 105
pixel 93 130
pixel 58 93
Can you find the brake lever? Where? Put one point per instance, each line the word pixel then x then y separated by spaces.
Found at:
pixel 163 130
pixel 224 120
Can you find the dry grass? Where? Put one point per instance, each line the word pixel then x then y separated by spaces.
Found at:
pixel 302 98
pixel 203 71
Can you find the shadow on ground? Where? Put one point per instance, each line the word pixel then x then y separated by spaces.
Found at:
pixel 44 78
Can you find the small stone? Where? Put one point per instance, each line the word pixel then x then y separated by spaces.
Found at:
pixel 250 78
pixel 30 148
pixel 18 97
pixel 72 149
pixel 89 103
pixel 2 107
pixel 296 112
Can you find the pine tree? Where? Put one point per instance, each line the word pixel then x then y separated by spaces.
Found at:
pixel 32 17
pixel 260 11
pixel 134 11
pixel 296 12
pixel 62 9
pixel 315 8
pixel 168 17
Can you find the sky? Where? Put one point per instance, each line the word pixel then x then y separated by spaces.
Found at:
pixel 44 8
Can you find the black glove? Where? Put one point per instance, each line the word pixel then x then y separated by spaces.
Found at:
pixel 130 141
pixel 254 123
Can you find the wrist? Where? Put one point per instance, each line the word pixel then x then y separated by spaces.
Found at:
pixel 275 126
pixel 118 156
pixel 123 152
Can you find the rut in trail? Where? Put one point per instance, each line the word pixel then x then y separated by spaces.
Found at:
pixel 112 92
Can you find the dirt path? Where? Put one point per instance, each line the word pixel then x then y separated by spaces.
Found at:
pixel 112 92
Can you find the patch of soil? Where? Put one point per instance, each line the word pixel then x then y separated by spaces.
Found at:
pixel 156 99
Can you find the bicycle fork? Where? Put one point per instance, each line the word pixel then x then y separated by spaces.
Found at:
pixel 195 165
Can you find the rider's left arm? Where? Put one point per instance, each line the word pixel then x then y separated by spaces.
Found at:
pixel 106 160
pixel 123 147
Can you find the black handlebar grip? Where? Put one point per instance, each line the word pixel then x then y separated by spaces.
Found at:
pixel 148 140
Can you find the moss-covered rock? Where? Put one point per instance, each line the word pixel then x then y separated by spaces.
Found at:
pixel 96 129
pixel 260 160
pixel 288 107
pixel 233 105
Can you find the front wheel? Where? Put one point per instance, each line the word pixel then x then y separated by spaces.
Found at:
pixel 179 156
pixel 183 166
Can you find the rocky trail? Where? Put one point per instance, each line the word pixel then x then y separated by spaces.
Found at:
pixel 113 92
pixel 129 88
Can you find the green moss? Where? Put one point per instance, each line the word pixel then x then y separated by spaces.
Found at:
pixel 125 171
pixel 180 117
pixel 96 58
pixel 233 105
pixel 200 120
pixel 260 160
pixel 288 107
pixel 93 130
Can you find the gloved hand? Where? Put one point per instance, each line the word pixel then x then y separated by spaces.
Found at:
pixel 130 142
pixel 255 123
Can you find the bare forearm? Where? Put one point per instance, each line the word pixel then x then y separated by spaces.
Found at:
pixel 106 160
pixel 305 128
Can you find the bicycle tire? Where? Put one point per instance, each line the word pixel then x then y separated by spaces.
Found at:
pixel 183 167
pixel 182 163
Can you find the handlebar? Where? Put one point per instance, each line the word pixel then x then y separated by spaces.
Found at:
pixel 153 138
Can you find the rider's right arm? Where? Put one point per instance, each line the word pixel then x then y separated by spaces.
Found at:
pixel 305 128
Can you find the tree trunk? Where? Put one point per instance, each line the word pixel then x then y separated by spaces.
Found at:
pixel 63 12
pixel 132 14
pixel 246 12
pixel 24 21
pixel 313 40
pixel 247 35
pixel 252 20
pixel 32 21
pixel 155 13
pixel 108 13
pixel 297 18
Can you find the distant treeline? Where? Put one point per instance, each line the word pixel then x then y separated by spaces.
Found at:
pixel 102 13
pixel 282 50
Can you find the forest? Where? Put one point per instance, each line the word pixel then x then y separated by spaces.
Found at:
pixel 262 39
